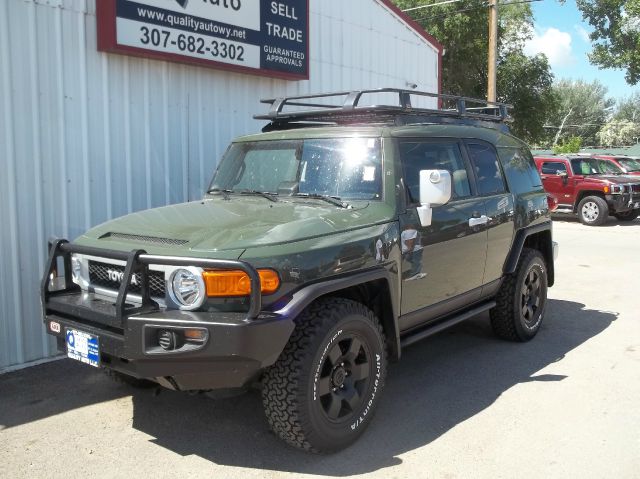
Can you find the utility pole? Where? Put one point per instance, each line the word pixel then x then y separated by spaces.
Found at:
pixel 493 49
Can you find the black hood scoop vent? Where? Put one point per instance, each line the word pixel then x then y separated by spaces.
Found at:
pixel 144 239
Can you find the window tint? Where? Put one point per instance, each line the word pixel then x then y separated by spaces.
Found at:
pixel 553 167
pixel 416 156
pixel 519 169
pixel 594 166
pixel 485 163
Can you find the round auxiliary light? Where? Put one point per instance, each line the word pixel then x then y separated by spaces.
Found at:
pixel 186 288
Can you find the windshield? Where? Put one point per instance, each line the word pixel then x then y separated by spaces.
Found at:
pixel 345 168
pixel 629 164
pixel 593 166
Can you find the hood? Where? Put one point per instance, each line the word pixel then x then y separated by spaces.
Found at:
pixel 217 225
pixel 616 179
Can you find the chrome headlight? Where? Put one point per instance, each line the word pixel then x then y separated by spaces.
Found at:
pixel 186 288
pixel 617 188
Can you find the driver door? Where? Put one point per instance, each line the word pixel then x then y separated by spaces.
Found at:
pixel 443 263
pixel 560 187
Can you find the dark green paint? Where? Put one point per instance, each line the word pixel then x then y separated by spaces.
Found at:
pixel 308 240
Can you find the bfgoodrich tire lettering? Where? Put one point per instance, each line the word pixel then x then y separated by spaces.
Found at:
pixel 521 301
pixel 322 392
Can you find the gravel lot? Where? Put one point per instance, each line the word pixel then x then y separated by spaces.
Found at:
pixel 460 404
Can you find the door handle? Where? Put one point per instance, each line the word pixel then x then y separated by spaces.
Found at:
pixel 482 220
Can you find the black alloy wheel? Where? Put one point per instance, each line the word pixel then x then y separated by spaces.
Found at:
pixel 345 374
pixel 530 296
pixel 522 299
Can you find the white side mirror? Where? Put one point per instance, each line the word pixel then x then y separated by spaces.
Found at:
pixel 435 190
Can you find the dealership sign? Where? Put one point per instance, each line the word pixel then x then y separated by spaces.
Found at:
pixel 262 37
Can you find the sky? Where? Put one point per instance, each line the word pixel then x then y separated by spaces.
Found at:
pixel 562 34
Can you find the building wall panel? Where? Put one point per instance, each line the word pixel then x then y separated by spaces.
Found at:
pixel 87 136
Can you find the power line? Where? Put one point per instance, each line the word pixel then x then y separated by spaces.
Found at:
pixel 430 5
pixel 477 7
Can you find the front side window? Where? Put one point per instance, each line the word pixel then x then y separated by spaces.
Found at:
pixel 553 167
pixel 594 166
pixel 419 155
pixel 487 169
pixel 345 168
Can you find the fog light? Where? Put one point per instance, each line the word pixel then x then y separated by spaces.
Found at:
pixel 168 340
pixel 195 335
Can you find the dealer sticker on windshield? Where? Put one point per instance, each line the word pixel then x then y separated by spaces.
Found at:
pixel 83 347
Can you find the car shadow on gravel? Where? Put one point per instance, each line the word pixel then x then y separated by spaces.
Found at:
pixel 439 383
pixel 53 388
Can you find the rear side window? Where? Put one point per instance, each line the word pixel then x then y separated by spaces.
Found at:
pixel 519 170
pixel 417 155
pixel 487 169
pixel 553 167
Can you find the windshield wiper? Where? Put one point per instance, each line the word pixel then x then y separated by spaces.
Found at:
pixel 264 194
pixel 334 200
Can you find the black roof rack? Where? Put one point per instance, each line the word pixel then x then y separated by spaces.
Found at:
pixel 310 110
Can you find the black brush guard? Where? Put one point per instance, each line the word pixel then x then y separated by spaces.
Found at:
pixel 137 262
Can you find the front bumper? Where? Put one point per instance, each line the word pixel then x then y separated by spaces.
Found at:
pixel 620 203
pixel 237 348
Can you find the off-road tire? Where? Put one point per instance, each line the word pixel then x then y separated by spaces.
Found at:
pixel 507 317
pixel 122 378
pixel 296 403
pixel 593 205
pixel 627 215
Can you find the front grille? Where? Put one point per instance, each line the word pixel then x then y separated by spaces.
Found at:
pixel 99 276
pixel 635 188
pixel 146 239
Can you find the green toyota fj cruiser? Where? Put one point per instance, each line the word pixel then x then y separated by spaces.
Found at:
pixel 323 246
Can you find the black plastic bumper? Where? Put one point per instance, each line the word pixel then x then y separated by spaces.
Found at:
pixel 237 345
pixel 234 354
pixel 621 203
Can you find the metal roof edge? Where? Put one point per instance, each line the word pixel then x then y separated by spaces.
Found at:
pixel 412 24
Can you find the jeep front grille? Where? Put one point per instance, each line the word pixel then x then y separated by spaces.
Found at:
pixel 146 239
pixel 99 276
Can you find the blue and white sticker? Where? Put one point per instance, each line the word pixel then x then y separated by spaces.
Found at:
pixel 83 347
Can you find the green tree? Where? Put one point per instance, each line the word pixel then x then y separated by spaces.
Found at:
pixel 527 83
pixel 619 133
pixel 569 145
pixel 582 110
pixel 629 108
pixel 462 29
pixel 616 34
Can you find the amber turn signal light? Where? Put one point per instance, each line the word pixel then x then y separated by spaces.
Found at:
pixel 221 283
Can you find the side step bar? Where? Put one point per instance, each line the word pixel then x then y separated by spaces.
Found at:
pixel 430 330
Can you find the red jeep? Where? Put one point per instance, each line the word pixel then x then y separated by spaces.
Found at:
pixel 590 187
pixel 630 166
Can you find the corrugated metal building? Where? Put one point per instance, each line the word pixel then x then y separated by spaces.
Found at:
pixel 87 136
